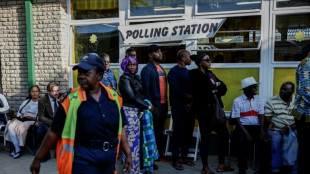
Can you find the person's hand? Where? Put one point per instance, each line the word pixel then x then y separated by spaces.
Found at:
pixel 286 130
pixel 265 137
pixel 271 126
pixel 35 166
pixel 21 116
pixel 128 163
pixel 214 91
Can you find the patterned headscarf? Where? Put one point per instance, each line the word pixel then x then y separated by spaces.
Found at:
pixel 126 61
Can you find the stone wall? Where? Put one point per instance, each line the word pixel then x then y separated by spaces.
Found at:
pixel 50 47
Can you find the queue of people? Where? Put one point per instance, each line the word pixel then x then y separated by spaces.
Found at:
pixel 97 119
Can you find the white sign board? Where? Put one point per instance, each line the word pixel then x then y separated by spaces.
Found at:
pixel 170 31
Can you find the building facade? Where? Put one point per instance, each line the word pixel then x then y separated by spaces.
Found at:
pixel 259 38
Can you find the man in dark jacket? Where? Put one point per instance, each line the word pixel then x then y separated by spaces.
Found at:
pixel 47 108
pixel 154 83
pixel 180 101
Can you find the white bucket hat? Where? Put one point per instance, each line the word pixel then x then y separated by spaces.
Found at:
pixel 248 82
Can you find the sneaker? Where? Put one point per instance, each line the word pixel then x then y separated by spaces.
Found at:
pixel 16 155
pixel 13 153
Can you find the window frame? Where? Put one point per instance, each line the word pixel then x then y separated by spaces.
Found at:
pixel 154 16
pixel 272 42
pixel 275 8
pixel 225 12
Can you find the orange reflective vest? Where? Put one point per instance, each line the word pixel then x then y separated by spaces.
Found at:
pixel 65 145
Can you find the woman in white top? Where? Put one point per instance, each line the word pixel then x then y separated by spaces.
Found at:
pixel 26 116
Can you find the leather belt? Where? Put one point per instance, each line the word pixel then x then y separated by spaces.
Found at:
pixel 104 145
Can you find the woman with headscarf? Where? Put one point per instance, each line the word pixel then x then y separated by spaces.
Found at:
pixel 204 85
pixel 130 87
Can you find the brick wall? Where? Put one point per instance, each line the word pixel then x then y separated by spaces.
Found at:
pixel 50 47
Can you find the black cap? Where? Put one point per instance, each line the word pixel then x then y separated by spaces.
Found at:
pixel 197 58
pixel 153 48
pixel 89 61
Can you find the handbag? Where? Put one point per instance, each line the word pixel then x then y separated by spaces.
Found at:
pixel 289 148
pixel 218 114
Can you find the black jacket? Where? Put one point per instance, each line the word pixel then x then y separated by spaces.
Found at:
pixel 202 88
pixel 150 80
pixel 45 111
pixel 130 87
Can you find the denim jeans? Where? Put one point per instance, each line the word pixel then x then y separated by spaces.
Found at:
pixel 41 132
pixel 276 151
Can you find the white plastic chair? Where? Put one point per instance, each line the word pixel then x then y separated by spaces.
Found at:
pixel 196 134
pixel 192 152
pixel 168 132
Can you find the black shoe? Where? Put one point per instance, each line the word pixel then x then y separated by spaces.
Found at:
pixel 242 172
pixel 155 166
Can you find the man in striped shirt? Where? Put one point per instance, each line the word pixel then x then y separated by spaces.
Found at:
pixel 277 113
pixel 248 110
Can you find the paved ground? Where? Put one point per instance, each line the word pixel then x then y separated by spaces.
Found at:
pixel 8 165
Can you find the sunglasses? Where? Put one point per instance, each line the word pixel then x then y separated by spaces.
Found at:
pixel 207 60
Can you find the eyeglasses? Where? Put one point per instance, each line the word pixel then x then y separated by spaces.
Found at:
pixel 207 60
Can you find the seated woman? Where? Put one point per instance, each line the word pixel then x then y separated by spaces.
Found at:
pixel 130 87
pixel 26 116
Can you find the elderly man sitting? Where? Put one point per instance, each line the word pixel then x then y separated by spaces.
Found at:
pixel 277 113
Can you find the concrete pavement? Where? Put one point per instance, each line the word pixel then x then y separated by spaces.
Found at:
pixel 8 165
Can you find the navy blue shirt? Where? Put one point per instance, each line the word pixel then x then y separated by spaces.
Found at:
pixel 95 121
pixel 179 85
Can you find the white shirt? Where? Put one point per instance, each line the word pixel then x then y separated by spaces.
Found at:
pixel 248 110
pixel 52 100
pixel 30 108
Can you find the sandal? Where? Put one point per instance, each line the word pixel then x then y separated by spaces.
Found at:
pixel 205 170
pixel 177 165
pixel 225 169
pixel 187 162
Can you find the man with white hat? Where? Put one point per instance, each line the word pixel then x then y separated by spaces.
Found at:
pixel 248 110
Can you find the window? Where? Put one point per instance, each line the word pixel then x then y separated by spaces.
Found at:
pixel 232 78
pixel 155 7
pixel 96 39
pixel 292 3
pixel 282 75
pixel 292 34
pixel 227 5
pixel 169 53
pixel 94 9
pixel 238 41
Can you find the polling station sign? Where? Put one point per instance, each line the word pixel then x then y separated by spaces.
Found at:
pixel 170 31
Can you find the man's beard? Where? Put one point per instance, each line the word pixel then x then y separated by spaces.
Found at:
pixel 156 60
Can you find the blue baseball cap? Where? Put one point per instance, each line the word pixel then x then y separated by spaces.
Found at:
pixel 89 61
